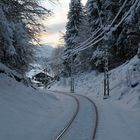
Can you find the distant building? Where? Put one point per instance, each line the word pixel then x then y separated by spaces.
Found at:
pixel 43 78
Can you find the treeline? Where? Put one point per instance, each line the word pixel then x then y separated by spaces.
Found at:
pixel 114 24
pixel 20 21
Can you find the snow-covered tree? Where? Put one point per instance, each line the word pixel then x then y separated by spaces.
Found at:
pixel 128 33
pixel 23 48
pixel 57 60
pixel 6 34
pixel 19 24
pixel 93 14
pixel 121 21
pixel 75 16
pixel 123 38
pixel 72 37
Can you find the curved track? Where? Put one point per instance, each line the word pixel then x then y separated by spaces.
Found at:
pixel 96 111
pixel 60 135
pixel 75 115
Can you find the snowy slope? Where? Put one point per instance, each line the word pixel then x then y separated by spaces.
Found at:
pixel 121 79
pixel 27 114
pixel 117 122
pixel 119 115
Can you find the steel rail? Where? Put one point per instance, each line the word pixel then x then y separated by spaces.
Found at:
pixel 63 131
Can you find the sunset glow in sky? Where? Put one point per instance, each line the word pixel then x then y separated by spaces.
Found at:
pixel 56 23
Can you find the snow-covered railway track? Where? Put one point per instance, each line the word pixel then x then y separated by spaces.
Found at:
pixel 60 135
pixel 96 118
pixel 91 118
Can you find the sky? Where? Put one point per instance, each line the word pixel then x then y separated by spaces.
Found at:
pixel 55 25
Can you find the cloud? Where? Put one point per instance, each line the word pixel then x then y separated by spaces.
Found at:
pixel 49 38
pixel 56 23
pixel 56 27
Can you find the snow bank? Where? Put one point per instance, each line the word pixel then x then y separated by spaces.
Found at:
pixel 119 115
pixel 28 114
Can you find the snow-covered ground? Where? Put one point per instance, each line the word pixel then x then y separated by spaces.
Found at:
pixel 117 123
pixel 119 115
pixel 27 114
pixel 83 126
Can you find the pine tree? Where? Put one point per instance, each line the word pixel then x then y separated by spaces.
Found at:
pixel 72 37
pixel 128 34
pixel 123 41
pixel 122 38
pixel 94 13
pixel 75 16
pixel 95 21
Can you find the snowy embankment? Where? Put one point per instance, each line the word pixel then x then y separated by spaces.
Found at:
pixel 27 114
pixel 119 115
pixel 124 84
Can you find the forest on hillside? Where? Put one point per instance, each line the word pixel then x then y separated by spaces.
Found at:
pixel 100 27
pixel 20 23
